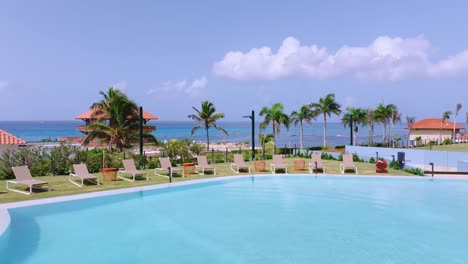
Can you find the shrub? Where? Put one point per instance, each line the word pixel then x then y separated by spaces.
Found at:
pixel 29 156
pixel 340 146
pixel 326 156
pixel 394 165
pixel 415 171
pixel 314 148
pixel 372 160
pixel 356 158
pixel 62 158
pixel 447 141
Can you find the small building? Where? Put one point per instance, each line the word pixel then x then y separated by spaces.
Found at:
pixel 432 129
pixel 88 117
pixel 8 141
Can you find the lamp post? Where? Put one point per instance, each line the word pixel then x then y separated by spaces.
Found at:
pixel 140 123
pixel 252 117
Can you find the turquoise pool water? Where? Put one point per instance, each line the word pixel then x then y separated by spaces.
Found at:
pixel 287 219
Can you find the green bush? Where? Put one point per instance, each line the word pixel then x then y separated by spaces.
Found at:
pixel 340 146
pixel 93 159
pixel 30 156
pixel 394 165
pixel 326 156
pixel 372 160
pixel 314 148
pixel 415 171
pixel 447 141
pixel 62 158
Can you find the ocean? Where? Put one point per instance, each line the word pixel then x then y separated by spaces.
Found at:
pixel 239 131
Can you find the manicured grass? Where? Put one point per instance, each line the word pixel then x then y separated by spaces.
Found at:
pixel 61 186
pixel 462 147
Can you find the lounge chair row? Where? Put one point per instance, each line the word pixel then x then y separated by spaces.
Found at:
pixel 81 173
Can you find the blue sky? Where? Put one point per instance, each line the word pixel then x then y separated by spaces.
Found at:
pixel 55 56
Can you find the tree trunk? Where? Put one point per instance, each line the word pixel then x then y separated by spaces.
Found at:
pixel 355 131
pixel 392 136
pixel 301 136
pixel 454 124
pixel 324 129
pixel 207 140
pixel 408 139
pixel 274 132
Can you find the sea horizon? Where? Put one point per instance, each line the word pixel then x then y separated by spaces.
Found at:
pixel 239 131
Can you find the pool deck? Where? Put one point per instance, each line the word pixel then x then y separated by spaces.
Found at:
pixel 5 216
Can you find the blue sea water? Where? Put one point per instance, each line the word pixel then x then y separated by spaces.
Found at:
pixel 239 131
pixel 289 219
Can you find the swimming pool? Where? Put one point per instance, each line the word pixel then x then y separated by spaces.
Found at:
pixel 289 219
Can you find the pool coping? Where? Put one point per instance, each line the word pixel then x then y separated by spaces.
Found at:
pixel 5 216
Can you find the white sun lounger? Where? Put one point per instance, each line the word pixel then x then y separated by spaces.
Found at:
pixel 129 168
pixel 239 163
pixel 81 173
pixel 23 176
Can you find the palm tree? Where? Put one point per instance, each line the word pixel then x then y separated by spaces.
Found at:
pixel 264 139
pixel 457 110
pixel 117 120
pixel 395 119
pixel 207 118
pixel 276 117
pixel 409 122
pixel 370 122
pixel 305 114
pixel 383 114
pixel 326 106
pixel 359 117
pixel 445 116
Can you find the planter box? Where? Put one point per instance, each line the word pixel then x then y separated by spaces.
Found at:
pixel 299 165
pixel 259 166
pixel 109 174
pixel 189 168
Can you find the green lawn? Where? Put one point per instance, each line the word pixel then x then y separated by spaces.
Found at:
pixel 61 186
pixel 462 147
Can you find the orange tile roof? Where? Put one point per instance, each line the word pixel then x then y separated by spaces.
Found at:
pixel 87 115
pixel 8 139
pixel 434 123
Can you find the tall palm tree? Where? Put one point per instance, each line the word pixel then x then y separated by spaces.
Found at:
pixel 326 106
pixel 370 122
pixel 207 117
pixel 276 117
pixel 445 116
pixel 117 120
pixel 395 119
pixel 383 114
pixel 409 123
pixel 457 110
pixel 359 117
pixel 264 139
pixel 305 114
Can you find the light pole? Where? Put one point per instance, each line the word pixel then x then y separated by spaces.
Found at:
pixel 252 117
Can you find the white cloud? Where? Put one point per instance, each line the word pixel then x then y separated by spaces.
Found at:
pixel 385 58
pixel 193 88
pixel 3 85
pixel 122 85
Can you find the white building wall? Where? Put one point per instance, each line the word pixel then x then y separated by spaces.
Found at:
pixel 428 135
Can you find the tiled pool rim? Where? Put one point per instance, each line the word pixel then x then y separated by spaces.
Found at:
pixel 5 216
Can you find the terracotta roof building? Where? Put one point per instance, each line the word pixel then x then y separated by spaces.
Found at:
pixel 433 129
pixel 435 123
pixel 88 117
pixel 8 139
